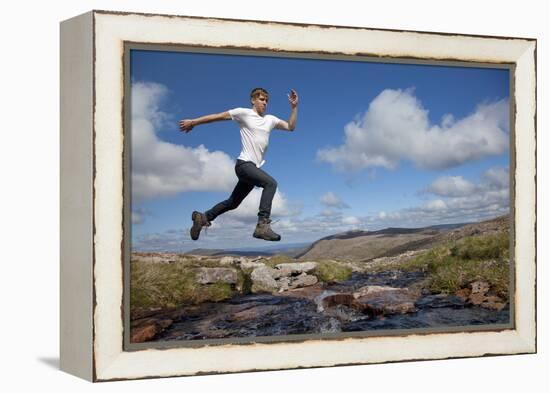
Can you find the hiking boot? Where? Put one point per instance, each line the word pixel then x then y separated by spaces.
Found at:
pixel 264 231
pixel 199 221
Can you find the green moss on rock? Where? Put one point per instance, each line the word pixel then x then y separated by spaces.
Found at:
pixel 332 271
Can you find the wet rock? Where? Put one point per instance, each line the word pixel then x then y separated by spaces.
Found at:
pixel 463 293
pixel 375 300
pixel 298 267
pixel 385 300
pixel 476 299
pixel 149 329
pixel 212 275
pixel 493 303
pixel 311 292
pixel 263 281
pixel 144 333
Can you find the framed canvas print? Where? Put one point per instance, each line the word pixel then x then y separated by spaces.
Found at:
pixel 248 195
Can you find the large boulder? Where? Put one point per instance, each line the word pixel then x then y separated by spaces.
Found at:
pixel 266 279
pixel 376 300
pixel 312 292
pixel 262 280
pixel 245 264
pixel 303 280
pixel 296 268
pixel 228 261
pixel 212 275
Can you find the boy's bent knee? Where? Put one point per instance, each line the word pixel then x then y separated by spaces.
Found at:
pixel 271 183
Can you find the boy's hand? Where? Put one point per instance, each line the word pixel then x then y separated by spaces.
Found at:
pixel 293 98
pixel 186 125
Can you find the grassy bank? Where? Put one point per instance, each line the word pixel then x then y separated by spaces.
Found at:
pixel 455 265
pixel 169 285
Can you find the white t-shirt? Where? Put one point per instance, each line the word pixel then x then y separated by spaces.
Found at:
pixel 255 130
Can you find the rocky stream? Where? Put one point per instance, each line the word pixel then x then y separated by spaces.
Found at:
pixel 364 302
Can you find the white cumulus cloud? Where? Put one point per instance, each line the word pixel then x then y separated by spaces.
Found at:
pixel 451 186
pixel 161 169
pixel 248 209
pixel 351 220
pixel 496 178
pixel 459 200
pixel 396 127
pixel 330 199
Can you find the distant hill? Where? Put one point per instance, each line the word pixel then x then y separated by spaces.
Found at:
pixel 367 245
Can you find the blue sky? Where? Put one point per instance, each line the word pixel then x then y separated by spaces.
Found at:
pixel 376 145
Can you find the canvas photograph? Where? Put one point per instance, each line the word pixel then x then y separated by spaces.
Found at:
pixel 304 196
pixel 277 196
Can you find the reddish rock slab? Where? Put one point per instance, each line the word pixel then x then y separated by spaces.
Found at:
pixel 493 303
pixel 375 300
pixel 476 298
pixel 463 293
pixel 144 333
pixel 310 292
pixel 148 328
pixel 385 300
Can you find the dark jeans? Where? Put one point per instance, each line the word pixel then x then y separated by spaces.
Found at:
pixel 249 176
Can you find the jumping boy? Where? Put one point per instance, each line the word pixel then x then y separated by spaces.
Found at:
pixel 255 127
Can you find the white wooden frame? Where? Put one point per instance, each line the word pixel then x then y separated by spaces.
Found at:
pixel 92 194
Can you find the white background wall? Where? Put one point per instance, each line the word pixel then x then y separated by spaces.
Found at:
pixel 29 151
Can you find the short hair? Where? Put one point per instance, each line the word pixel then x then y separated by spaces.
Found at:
pixel 257 91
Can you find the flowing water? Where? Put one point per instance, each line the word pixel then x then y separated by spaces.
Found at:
pixel 258 315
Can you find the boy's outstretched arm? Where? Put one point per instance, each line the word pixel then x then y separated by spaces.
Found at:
pixel 291 123
pixel 187 125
